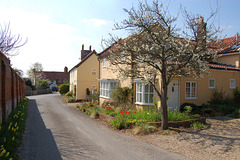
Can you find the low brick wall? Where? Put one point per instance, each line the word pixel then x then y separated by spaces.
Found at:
pixel 177 124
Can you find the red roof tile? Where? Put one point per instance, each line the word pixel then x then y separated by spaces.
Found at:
pixel 222 66
pixel 229 45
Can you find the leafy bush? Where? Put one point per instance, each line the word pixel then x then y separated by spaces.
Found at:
pixel 88 112
pixel 198 125
pixel 120 122
pixel 195 108
pixel 43 83
pixel 178 116
pixel 121 95
pixel 63 89
pixel 69 93
pixel 95 96
pixel 237 96
pixel 236 113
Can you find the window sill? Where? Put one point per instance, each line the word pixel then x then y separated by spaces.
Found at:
pixel 144 104
pixel 104 97
pixel 211 87
pixel 191 98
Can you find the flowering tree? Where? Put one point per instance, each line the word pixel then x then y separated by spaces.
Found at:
pixel 157 50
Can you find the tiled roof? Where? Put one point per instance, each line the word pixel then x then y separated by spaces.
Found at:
pixel 105 52
pixel 55 75
pixel 223 66
pixel 229 45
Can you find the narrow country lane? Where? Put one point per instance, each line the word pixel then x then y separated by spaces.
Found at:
pixel 56 130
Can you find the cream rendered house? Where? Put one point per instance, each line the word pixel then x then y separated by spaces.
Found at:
pixel 84 76
pixel 224 74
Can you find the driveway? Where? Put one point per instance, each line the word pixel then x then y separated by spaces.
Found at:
pixel 56 130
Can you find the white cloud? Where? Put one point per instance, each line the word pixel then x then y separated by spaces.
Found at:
pixel 52 44
pixel 95 22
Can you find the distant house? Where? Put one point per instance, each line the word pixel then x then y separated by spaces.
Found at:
pixel 84 76
pixel 55 78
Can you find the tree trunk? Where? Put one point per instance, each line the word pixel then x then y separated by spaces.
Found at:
pixel 164 100
pixel 164 109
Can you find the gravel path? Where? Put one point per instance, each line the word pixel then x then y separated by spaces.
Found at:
pixel 219 141
pixel 55 130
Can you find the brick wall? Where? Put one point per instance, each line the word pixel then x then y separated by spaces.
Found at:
pixel 12 88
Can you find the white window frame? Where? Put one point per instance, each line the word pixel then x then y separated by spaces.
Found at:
pixel 214 85
pixel 191 90
pixel 122 57
pixel 140 94
pixel 232 84
pixel 94 72
pixel 104 62
pixel 106 86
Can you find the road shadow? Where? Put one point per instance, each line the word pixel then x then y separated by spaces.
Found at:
pixel 38 142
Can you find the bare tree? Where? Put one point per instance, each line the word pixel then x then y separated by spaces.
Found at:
pixel 9 43
pixel 19 72
pixel 34 73
pixel 157 50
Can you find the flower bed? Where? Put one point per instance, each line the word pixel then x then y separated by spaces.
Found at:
pixel 12 130
pixel 121 117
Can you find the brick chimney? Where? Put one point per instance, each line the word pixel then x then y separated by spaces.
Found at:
pixel 84 53
pixel 202 32
pixel 65 69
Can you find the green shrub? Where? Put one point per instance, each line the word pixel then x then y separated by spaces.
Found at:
pixel 88 112
pixel 43 83
pixel 237 96
pixel 121 95
pixel 69 93
pixel 120 122
pixel 198 125
pixel 217 97
pixel 95 96
pixel 63 89
pixel 178 116
pixel 236 113
pixel 109 111
pixel 195 108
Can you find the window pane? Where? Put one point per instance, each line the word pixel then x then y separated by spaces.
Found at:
pixel 212 83
pixel 146 98
pixel 151 88
pixel 146 88
pixel 139 87
pixel 150 98
pixel 187 89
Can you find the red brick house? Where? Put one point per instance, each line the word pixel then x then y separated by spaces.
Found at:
pixel 55 78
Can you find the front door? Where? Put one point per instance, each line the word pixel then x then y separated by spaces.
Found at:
pixel 174 94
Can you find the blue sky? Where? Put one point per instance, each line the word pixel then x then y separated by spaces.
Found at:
pixel 56 29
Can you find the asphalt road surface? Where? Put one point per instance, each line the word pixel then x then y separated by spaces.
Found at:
pixel 58 131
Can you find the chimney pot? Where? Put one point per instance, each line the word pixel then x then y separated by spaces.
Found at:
pixel 65 69
pixel 90 48
pixel 83 47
